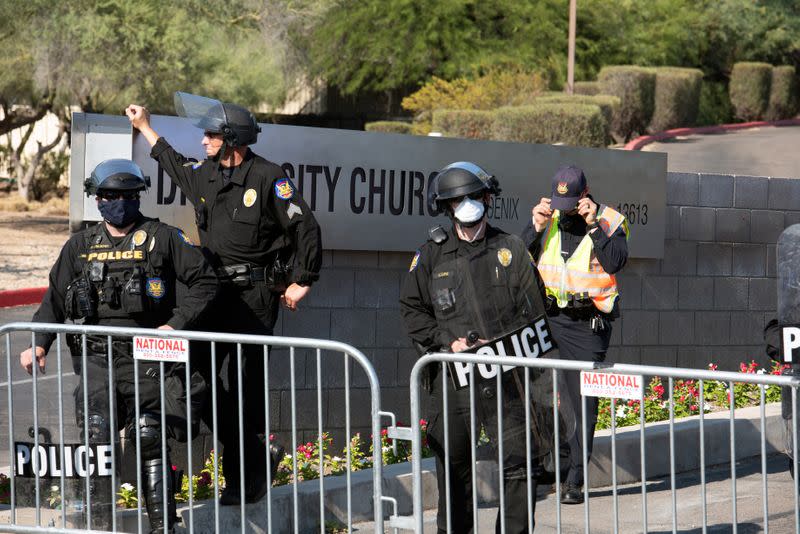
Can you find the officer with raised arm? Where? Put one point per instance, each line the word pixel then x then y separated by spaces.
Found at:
pixel 124 271
pixel 265 244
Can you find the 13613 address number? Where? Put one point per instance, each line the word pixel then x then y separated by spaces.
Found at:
pixel 634 213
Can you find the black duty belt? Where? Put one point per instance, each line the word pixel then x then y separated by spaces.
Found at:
pixel 242 274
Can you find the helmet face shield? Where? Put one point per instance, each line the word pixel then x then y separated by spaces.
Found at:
pixel 200 109
pixel 116 175
pixel 237 125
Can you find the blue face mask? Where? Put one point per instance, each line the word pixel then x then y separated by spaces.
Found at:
pixel 120 212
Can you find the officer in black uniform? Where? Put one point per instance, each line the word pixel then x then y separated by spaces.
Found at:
pixel 467 285
pixel 265 244
pixel 123 272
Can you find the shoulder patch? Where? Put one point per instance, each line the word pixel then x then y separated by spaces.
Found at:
pixel 194 164
pixel 155 288
pixel 284 189
pixel 185 238
pixel 414 262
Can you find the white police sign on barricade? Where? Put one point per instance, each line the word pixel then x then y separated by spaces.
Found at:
pixel 530 341
pixel 790 343
pixel 78 463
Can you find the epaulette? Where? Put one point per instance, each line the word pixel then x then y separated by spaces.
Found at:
pixel 437 235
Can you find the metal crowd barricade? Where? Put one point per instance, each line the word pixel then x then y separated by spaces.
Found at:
pixel 416 521
pixel 58 522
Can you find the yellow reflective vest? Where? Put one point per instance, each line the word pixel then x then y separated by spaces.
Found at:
pixel 582 273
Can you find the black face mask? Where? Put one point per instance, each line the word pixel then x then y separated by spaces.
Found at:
pixel 570 222
pixel 120 212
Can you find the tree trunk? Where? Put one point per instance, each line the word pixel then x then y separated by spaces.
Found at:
pixel 25 173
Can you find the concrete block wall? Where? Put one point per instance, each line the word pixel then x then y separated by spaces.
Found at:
pixel 710 296
pixel 706 301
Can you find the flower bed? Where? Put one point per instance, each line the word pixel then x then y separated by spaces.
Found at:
pixel 686 398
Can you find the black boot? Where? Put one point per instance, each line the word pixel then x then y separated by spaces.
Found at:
pixel 152 478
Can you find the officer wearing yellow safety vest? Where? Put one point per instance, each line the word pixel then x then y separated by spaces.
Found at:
pixel 579 245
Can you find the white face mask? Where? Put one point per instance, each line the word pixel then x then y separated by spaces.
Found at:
pixel 469 211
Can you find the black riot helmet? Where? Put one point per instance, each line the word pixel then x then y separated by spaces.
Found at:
pixel 236 124
pixel 460 179
pixel 116 175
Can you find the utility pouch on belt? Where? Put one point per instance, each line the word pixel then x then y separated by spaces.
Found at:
pixel 81 300
pixel 275 276
pixel 132 295
pixel 278 275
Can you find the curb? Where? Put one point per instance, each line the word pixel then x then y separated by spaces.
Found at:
pixel 22 297
pixel 639 142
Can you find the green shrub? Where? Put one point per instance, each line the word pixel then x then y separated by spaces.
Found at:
pixel 677 98
pixel 389 127
pixel 715 104
pixel 586 88
pixel 608 104
pixel 749 89
pixel 783 94
pixel 635 87
pixel 471 124
pixel 571 124
pixel 497 88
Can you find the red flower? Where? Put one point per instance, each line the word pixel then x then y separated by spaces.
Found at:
pixel 693 407
pixel 384 432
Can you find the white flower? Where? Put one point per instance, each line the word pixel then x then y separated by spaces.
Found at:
pixel 54 487
pixel 336 459
pixel 761 372
pixel 621 410
pixel 126 487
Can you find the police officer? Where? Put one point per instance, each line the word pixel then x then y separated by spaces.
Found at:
pixel 123 272
pixel 467 285
pixel 578 245
pixel 265 244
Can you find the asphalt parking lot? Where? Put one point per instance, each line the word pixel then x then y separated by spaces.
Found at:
pixel 769 151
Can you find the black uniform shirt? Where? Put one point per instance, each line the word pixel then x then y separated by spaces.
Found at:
pixel 179 260
pixel 257 212
pixel 502 293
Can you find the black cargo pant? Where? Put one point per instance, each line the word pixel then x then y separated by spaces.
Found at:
pixel 515 484
pixel 98 409
pixel 577 341
pixel 252 310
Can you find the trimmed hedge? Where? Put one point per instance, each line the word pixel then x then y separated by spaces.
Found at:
pixel 677 98
pixel 389 127
pixel 715 104
pixel 783 94
pixel 586 88
pixel 750 89
pixel 570 124
pixel 635 87
pixel 608 104
pixel 471 124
